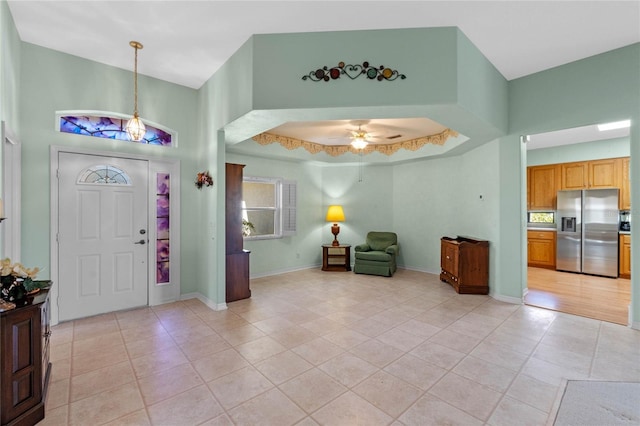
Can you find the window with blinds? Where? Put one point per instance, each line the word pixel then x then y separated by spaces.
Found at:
pixel 268 208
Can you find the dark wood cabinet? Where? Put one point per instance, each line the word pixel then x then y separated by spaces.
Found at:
pixel 24 361
pixel 237 259
pixel 464 263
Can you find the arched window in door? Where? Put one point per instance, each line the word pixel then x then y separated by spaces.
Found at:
pixel 104 174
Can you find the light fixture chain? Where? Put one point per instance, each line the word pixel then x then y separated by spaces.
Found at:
pixel 135 82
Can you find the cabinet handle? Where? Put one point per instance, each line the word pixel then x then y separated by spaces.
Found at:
pixel 448 257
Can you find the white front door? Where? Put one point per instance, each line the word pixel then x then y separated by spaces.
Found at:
pixel 102 234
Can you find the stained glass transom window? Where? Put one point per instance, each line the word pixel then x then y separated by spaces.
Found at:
pixel 111 128
pixel 105 175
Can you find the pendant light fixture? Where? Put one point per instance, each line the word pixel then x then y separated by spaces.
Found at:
pixel 135 127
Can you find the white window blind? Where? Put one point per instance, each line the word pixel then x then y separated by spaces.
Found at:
pixel 289 206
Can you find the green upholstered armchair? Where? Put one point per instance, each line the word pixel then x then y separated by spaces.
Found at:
pixel 377 256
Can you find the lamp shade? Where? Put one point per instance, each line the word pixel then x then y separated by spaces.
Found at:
pixel 335 214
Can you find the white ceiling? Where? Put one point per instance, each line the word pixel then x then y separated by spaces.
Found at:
pixel 185 42
pixel 576 135
pixel 380 131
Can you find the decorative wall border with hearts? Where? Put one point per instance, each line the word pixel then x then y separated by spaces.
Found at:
pixel 380 73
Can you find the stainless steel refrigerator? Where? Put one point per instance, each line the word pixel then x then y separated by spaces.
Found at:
pixel 587 237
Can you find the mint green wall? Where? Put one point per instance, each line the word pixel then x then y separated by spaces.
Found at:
pixel 260 87
pixel 53 81
pixel 367 202
pixel 585 151
pixel 598 89
pixel 367 206
pixel 9 88
pixel 279 94
pixel 510 269
pixel 300 251
pixel 9 69
pixel 280 60
pixel 481 88
pixel 425 200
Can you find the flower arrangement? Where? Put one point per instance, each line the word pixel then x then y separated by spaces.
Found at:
pixel 203 179
pixel 247 228
pixel 16 281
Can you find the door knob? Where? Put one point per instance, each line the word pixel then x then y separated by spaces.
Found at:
pixel 140 242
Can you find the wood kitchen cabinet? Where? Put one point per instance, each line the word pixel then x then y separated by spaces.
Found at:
pixel 464 263
pixel 541 249
pixel 625 256
pixel 591 174
pixel 604 173
pixel 542 186
pixel 625 184
pixel 574 175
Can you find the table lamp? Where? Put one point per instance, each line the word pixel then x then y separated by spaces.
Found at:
pixel 335 215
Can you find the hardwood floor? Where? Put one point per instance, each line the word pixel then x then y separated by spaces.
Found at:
pixel 605 299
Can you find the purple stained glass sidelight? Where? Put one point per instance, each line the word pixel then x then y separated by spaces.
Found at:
pixel 162 232
pixel 163 183
pixel 162 206
pixel 162 253
pixel 162 273
pixel 163 228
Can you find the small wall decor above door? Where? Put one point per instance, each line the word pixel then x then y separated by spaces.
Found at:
pixel 380 73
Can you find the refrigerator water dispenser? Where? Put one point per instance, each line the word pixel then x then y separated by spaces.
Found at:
pixel 569 224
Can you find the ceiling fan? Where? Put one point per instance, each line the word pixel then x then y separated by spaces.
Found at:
pixel 359 138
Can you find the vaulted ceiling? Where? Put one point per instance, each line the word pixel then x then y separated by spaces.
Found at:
pixel 185 42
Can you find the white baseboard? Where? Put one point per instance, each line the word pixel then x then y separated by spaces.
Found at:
pixel 426 271
pixel 210 303
pixel 284 271
pixel 508 299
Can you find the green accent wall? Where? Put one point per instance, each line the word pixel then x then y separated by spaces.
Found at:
pixel 9 89
pixel 53 81
pixel 599 89
pixel 585 151
pixel 261 86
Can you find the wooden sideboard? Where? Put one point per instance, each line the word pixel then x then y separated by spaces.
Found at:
pixel 24 361
pixel 464 263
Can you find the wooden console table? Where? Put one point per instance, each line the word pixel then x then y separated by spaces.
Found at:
pixel 24 361
pixel 464 263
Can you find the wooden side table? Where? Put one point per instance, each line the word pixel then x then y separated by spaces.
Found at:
pixel 336 258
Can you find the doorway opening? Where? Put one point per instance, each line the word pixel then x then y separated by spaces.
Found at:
pixel 559 256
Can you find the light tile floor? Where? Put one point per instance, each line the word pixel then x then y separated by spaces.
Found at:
pixel 332 348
